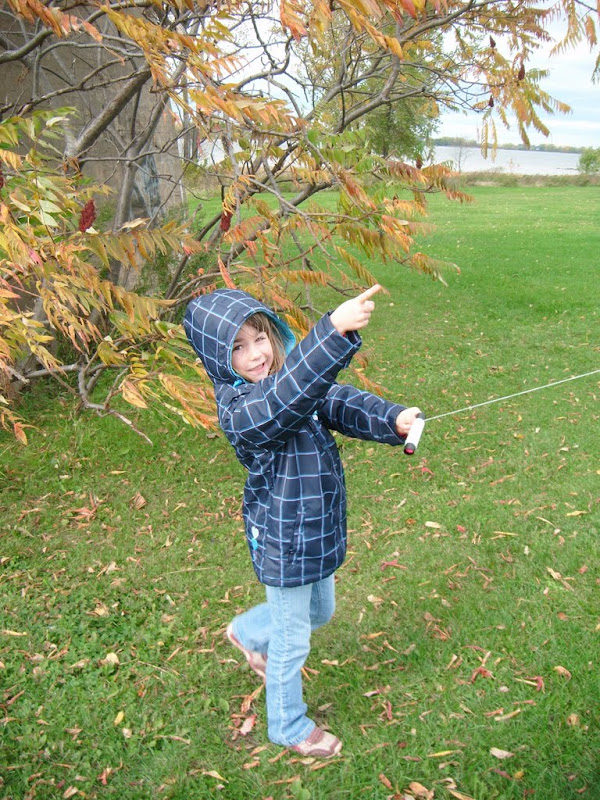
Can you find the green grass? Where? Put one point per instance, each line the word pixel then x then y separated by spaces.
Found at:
pixel 494 525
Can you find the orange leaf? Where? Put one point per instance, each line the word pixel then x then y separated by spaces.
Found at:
pixel 386 781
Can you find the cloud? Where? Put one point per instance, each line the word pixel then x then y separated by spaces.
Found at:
pixel 569 81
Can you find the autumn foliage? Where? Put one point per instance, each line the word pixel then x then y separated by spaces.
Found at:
pixel 273 131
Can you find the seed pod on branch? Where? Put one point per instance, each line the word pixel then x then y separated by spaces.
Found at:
pixel 521 74
pixel 87 217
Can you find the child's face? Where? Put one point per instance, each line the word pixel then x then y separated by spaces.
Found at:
pixel 252 354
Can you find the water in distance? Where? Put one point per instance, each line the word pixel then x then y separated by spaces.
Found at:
pixel 510 162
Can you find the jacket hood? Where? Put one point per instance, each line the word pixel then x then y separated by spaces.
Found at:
pixel 212 322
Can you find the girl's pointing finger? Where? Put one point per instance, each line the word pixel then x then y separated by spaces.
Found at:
pixel 369 293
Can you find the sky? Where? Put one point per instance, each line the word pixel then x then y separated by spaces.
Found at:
pixel 569 81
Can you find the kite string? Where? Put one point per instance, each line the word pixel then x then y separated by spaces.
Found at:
pixel 516 394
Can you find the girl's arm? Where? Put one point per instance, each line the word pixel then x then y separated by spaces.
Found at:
pixel 267 413
pixel 361 415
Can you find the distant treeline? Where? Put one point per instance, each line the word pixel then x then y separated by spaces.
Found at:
pixel 457 141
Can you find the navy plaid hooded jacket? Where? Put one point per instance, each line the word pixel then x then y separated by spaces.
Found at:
pixel 295 497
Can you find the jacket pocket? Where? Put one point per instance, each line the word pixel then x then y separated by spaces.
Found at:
pixel 296 544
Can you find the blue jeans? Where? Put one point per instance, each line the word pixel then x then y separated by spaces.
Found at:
pixel 281 628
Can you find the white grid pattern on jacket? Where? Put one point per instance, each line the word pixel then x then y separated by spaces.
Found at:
pixel 295 496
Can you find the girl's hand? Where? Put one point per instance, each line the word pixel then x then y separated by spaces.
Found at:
pixel 355 313
pixel 405 419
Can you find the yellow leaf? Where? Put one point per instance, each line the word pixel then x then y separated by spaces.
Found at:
pixel 132 394
pixel 119 718
pixel 512 714
pixel 212 773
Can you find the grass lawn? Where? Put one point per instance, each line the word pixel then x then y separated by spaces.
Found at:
pixel 463 660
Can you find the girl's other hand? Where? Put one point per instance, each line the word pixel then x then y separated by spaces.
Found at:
pixel 355 313
pixel 405 419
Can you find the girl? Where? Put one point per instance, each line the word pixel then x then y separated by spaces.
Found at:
pixel 276 402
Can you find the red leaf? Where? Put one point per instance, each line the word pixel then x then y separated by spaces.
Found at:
pixel 393 563
pixel 409 7
pixel 485 673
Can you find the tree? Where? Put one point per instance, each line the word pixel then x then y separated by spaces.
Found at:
pixel 228 81
pixel 401 131
pixel 589 161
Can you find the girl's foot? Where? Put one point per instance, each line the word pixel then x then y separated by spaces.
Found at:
pixel 257 661
pixel 319 744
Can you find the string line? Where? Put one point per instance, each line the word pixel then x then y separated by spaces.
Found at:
pixel 516 394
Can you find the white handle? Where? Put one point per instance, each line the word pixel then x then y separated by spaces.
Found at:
pixel 414 434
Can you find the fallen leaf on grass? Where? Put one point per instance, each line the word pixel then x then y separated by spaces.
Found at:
pixel 503 774
pixel 248 724
pixel 249 699
pixel 510 715
pixel 6 632
pixel 563 672
pixel 386 781
pixel 573 720
pixel 420 791
pixel 212 773
pixel 435 525
pixel 460 795
pixel 500 753
pixel 110 660
pixel 480 671
pixel 70 792
pixel 393 563
pixel 86 514
pixel 377 601
pixel 100 610
pixel 138 501
pixel 558 577
pixel 80 664
pixel 105 775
